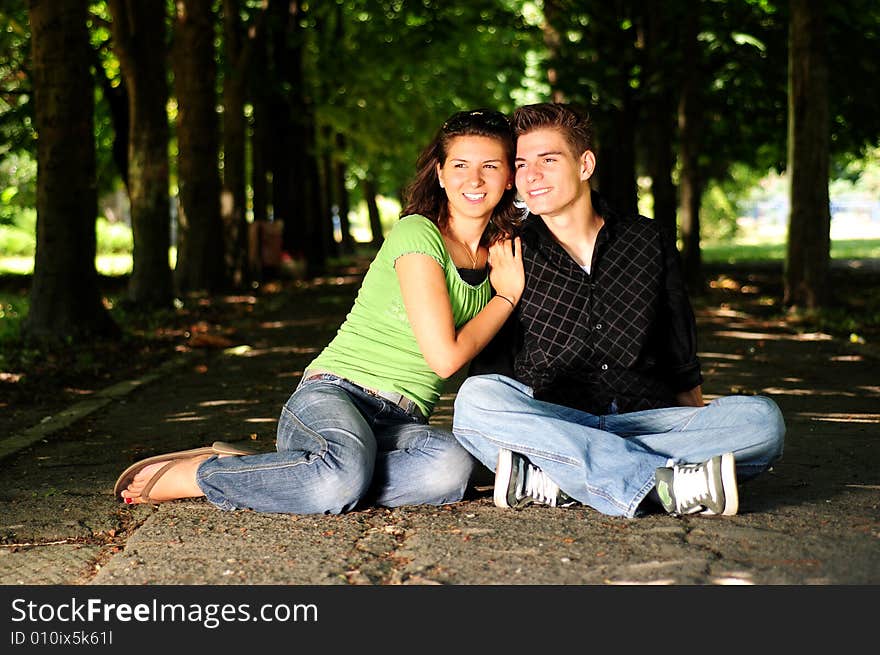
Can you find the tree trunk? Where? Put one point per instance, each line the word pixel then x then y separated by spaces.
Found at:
pixel 118 102
pixel 369 189
pixel 138 34
pixel 200 230
pixel 808 255
pixel 328 197
pixel 261 152
pixel 341 193
pixel 240 50
pixel 316 220
pixel 660 107
pixel 280 128
pixel 616 159
pixel 691 182
pixel 307 235
pixel 552 39
pixel 65 300
pixel 232 196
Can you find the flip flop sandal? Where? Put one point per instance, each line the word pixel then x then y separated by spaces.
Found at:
pixel 217 448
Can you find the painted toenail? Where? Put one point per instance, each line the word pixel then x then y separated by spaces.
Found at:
pixel 128 500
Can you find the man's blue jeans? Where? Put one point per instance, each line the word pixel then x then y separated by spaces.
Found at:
pixel 337 446
pixel 608 462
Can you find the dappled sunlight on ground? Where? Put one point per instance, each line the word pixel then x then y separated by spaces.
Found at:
pixel 770 336
pixel 782 391
pixel 221 403
pixel 302 322
pixel 832 417
pixel 276 350
pixel 185 419
pixel 728 356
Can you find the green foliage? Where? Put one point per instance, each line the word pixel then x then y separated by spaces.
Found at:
pixel 17 242
pixel 16 108
pixel 13 308
pixel 113 238
pixel 726 199
pixel 387 74
pixel 18 180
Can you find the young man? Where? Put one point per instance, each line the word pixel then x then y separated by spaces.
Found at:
pixel 592 391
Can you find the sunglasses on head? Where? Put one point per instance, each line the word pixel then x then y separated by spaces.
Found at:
pixel 476 118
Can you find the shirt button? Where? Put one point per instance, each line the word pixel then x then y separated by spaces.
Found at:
pixel 604 367
pixel 598 326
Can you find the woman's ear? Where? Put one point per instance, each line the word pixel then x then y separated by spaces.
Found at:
pixel 440 176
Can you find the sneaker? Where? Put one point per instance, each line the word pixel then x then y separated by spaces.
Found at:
pixel 519 483
pixel 708 487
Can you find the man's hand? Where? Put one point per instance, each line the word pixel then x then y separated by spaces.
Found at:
pixel 692 398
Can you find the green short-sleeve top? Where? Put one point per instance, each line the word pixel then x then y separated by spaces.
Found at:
pixel 375 345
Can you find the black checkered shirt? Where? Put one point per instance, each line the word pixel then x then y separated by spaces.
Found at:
pixel 619 339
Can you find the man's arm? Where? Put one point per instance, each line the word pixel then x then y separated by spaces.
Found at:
pixel 692 398
pixel 680 343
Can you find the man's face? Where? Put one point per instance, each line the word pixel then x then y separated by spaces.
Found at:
pixel 548 177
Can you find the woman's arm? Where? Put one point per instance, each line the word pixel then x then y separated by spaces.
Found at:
pixel 426 298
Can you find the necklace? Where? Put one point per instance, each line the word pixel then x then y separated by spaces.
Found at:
pixel 467 252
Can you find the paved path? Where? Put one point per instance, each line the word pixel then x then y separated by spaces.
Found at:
pixel 813 520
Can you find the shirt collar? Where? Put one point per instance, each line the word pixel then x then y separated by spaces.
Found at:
pixel 536 232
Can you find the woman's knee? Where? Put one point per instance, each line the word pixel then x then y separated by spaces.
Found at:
pixel 450 475
pixel 341 491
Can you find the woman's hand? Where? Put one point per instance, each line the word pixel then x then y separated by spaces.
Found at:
pixel 506 268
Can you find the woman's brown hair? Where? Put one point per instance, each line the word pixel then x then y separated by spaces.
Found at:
pixel 425 196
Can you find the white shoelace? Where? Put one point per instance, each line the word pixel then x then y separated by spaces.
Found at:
pixel 538 486
pixel 690 487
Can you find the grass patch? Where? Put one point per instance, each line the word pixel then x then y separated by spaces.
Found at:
pixel 713 253
pixel 735 253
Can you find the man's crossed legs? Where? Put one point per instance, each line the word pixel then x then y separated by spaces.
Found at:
pixel 686 458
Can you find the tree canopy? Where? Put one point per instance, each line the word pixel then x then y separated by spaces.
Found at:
pixel 317 105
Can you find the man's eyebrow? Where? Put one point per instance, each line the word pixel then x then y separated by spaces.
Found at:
pixel 544 154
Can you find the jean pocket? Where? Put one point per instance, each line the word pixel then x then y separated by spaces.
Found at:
pixel 293 434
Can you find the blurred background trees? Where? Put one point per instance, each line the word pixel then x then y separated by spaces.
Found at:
pixel 213 127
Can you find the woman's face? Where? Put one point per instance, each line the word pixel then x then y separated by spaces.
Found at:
pixel 475 175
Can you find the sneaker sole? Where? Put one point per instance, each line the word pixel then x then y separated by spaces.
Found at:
pixel 728 479
pixel 504 475
pixel 728 484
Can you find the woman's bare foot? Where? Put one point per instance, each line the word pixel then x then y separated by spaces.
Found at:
pixel 177 482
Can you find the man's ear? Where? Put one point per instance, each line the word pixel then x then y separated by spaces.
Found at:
pixel 588 164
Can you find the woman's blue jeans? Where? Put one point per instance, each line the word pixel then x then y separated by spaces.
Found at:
pixel 338 447
pixel 608 462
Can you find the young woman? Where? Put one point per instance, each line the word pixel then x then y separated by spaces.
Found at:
pixel 355 431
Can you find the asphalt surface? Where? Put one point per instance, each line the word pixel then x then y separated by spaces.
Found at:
pixel 812 520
